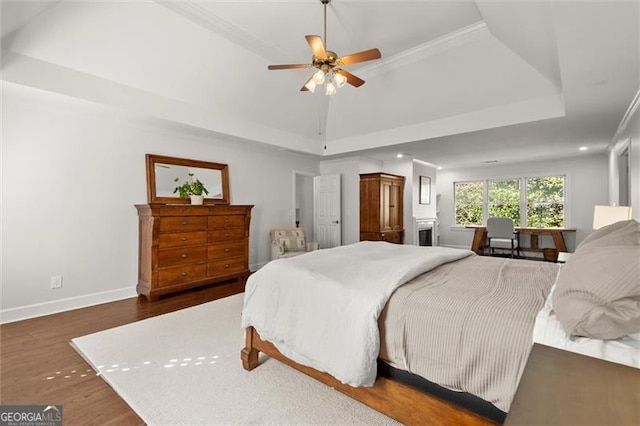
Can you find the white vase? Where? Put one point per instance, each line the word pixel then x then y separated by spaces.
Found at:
pixel 197 200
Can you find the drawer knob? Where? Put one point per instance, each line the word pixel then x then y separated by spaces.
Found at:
pixel 226 235
pixel 227 250
pixel 184 255
pixel 226 266
pixel 185 222
pixel 226 220
pixel 184 238
pixel 184 274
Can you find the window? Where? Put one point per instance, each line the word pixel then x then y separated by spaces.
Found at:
pixel 469 199
pixel 504 199
pixel 545 201
pixel 529 201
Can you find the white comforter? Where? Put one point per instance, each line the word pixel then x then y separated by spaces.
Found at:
pixel 321 309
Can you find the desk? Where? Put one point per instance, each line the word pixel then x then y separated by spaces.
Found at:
pixel 565 388
pixel 480 237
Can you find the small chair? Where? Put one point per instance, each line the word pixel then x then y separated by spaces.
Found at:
pixel 502 234
pixel 289 242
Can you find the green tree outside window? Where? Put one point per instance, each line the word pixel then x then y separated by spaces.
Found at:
pixel 469 199
pixel 504 199
pixel 545 201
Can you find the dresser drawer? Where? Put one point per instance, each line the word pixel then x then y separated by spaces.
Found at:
pixel 231 221
pixel 182 274
pixel 181 239
pixel 183 223
pixel 227 266
pixel 182 256
pixel 390 237
pixel 220 235
pixel 226 250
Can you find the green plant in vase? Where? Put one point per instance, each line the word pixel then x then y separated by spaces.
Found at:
pixel 194 189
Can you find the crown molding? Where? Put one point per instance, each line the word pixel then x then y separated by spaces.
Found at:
pixel 424 50
pixel 633 108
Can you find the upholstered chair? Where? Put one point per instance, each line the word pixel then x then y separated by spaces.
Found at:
pixel 289 242
pixel 502 234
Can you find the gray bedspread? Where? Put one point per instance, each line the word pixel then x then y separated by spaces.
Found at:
pixel 468 325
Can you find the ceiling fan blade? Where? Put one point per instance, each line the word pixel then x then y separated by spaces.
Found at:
pixel 317 47
pixel 287 67
pixel 354 58
pixel 351 79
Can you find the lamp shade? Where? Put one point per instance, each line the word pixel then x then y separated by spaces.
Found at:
pixel 340 80
pixel 331 89
pixel 606 215
pixel 318 77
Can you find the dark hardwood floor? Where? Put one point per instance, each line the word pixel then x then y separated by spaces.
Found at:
pixel 39 366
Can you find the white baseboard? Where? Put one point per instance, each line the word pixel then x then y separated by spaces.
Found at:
pixel 62 305
pixel 56 306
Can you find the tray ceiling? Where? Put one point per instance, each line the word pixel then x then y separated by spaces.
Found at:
pixel 450 70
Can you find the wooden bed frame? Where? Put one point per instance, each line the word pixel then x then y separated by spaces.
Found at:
pixel 395 399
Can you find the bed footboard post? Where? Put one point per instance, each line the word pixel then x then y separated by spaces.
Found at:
pixel 249 354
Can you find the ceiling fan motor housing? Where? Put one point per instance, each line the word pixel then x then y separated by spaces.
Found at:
pixel 325 64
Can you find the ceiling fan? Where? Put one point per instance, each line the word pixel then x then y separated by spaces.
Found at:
pixel 329 64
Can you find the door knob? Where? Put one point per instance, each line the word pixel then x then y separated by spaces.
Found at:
pixel 336 221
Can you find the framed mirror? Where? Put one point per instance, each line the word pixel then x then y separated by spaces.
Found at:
pixel 162 172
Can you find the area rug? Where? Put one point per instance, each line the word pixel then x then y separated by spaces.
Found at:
pixel 184 368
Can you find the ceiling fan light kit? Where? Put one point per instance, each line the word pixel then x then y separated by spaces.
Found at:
pixel 328 63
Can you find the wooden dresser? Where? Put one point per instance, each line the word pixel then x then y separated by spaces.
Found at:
pixel 184 246
pixel 381 209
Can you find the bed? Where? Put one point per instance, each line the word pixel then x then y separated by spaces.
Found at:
pixel 450 317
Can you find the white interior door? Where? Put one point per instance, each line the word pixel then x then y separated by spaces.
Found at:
pixel 327 220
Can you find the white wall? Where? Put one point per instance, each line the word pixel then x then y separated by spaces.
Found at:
pixel 71 174
pixel 586 183
pixel 629 132
pixel 634 155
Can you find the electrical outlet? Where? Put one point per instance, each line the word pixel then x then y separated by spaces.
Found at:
pixel 56 281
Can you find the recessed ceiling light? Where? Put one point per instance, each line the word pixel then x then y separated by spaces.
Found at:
pixel 439 168
pixel 583 148
pixel 400 155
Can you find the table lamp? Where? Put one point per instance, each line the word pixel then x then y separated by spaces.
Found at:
pixel 606 215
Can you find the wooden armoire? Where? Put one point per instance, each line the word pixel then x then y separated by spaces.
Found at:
pixel 381 209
